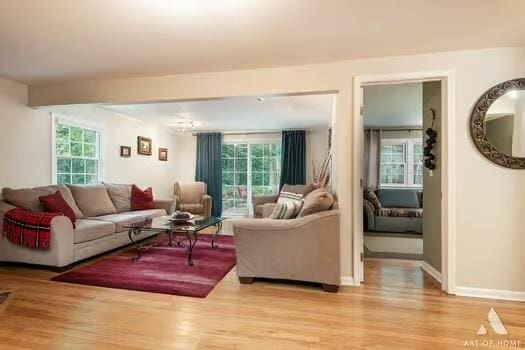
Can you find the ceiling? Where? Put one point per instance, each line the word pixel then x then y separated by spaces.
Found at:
pixel 237 114
pixel 58 40
pixel 396 105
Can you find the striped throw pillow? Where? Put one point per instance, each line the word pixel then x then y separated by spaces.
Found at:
pixel 283 211
pixel 293 199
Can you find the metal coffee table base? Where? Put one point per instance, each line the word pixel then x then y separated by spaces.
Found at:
pixel 191 236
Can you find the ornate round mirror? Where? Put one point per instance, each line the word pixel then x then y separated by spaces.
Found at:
pixel 497 124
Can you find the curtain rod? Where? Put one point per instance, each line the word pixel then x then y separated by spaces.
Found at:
pixel 417 128
pixel 253 132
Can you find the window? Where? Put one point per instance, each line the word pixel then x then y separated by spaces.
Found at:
pixel 265 162
pixel 77 154
pixel 401 163
pixel 418 164
pixel 235 178
pixel 248 170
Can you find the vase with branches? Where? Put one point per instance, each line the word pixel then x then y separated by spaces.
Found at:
pixel 322 172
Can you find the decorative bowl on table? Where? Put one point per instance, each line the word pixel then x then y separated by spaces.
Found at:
pixel 180 217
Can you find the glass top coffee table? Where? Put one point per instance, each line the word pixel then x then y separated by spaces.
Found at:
pixel 189 230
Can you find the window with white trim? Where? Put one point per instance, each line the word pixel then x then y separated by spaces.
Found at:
pixel 77 154
pixel 401 163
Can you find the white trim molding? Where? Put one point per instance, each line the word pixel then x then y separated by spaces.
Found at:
pixel 431 271
pixel 498 294
pixel 347 281
pixel 448 165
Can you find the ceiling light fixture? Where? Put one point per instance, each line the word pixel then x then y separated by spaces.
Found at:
pixel 183 126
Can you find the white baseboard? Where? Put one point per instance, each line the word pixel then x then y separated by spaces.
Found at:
pixel 347 281
pixel 490 293
pixel 431 271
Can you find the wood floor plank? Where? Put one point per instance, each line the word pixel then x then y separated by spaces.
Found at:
pixel 399 307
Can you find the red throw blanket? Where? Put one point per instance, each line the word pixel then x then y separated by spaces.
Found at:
pixel 29 229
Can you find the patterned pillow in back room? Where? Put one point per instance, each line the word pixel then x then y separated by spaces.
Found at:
pixel 294 199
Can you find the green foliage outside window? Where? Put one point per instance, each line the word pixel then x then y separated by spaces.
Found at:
pixel 77 155
pixel 262 161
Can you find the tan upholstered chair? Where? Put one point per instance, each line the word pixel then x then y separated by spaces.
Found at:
pixel 263 205
pixel 192 197
pixel 301 249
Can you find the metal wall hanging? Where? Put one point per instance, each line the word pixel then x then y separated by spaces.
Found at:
pixel 430 158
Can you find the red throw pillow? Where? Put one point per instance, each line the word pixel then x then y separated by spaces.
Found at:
pixel 55 203
pixel 141 200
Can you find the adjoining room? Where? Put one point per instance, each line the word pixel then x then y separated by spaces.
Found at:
pixel 400 165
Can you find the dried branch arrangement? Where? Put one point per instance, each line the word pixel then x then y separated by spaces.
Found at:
pixel 322 173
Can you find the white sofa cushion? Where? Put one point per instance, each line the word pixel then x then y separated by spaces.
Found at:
pixel 88 230
pixel 123 219
pixel 120 195
pixel 93 200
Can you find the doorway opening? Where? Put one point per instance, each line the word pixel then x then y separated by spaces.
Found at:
pixel 403 156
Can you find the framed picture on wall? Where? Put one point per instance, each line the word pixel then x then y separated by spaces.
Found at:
pixel 144 145
pixel 125 151
pixel 163 154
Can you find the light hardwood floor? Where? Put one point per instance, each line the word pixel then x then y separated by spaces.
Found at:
pixel 398 308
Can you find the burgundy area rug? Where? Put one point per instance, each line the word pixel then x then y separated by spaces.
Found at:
pixel 162 269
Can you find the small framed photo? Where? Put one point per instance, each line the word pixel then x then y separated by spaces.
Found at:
pixel 125 151
pixel 163 154
pixel 144 146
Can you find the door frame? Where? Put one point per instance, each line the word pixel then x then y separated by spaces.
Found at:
pixel 448 169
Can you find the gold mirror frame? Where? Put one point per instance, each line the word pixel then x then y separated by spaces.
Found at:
pixel 478 127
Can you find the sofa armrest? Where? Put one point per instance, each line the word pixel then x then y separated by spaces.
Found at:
pixel 170 205
pixel 4 208
pixel 60 252
pixel 207 202
pixel 261 200
pixel 369 216
pixel 62 240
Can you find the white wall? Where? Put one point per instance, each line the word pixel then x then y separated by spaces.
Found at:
pixel 489 199
pixel 393 105
pixel 119 130
pixel 25 139
pixel 25 144
pixel 185 157
pixel 316 149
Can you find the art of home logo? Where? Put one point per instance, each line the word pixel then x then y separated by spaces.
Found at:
pixel 495 326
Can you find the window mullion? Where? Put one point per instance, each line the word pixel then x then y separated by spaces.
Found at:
pixel 410 167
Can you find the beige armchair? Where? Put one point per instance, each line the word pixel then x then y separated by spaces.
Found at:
pixel 302 249
pixel 192 197
pixel 263 205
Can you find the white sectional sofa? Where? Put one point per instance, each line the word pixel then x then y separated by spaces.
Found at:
pixel 101 213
